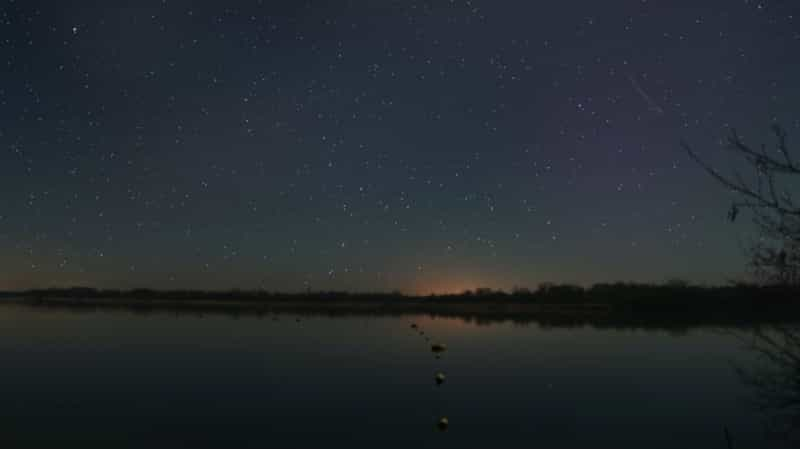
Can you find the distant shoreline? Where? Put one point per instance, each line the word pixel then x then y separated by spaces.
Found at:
pixel 617 293
pixel 612 305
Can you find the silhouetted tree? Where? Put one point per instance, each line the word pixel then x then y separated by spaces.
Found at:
pixel 768 195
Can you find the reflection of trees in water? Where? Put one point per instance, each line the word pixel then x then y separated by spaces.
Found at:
pixel 775 378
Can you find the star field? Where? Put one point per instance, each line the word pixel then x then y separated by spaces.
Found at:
pixel 380 145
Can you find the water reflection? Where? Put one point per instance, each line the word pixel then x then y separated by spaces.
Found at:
pixel 775 377
pixel 214 377
pixel 675 321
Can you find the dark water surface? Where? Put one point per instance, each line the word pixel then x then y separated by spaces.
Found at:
pixel 118 379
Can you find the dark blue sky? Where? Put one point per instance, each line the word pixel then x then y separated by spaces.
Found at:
pixel 378 145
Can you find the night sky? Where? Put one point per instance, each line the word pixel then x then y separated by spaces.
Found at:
pixel 428 146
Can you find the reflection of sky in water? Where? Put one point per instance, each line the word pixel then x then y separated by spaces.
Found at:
pixel 115 378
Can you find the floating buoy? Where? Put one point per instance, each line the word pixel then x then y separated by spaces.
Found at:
pixel 438 357
pixel 439 378
pixel 438 347
pixel 413 325
pixel 442 424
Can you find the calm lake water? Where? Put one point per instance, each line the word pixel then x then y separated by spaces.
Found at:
pixel 119 379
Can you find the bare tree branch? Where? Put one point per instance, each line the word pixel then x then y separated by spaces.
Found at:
pixel 775 257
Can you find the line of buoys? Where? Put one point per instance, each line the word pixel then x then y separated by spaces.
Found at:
pixel 437 348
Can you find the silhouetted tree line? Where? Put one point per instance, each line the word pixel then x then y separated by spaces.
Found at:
pixel 675 307
pixel 631 294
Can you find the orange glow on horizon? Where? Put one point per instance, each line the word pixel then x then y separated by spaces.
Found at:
pixel 446 286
